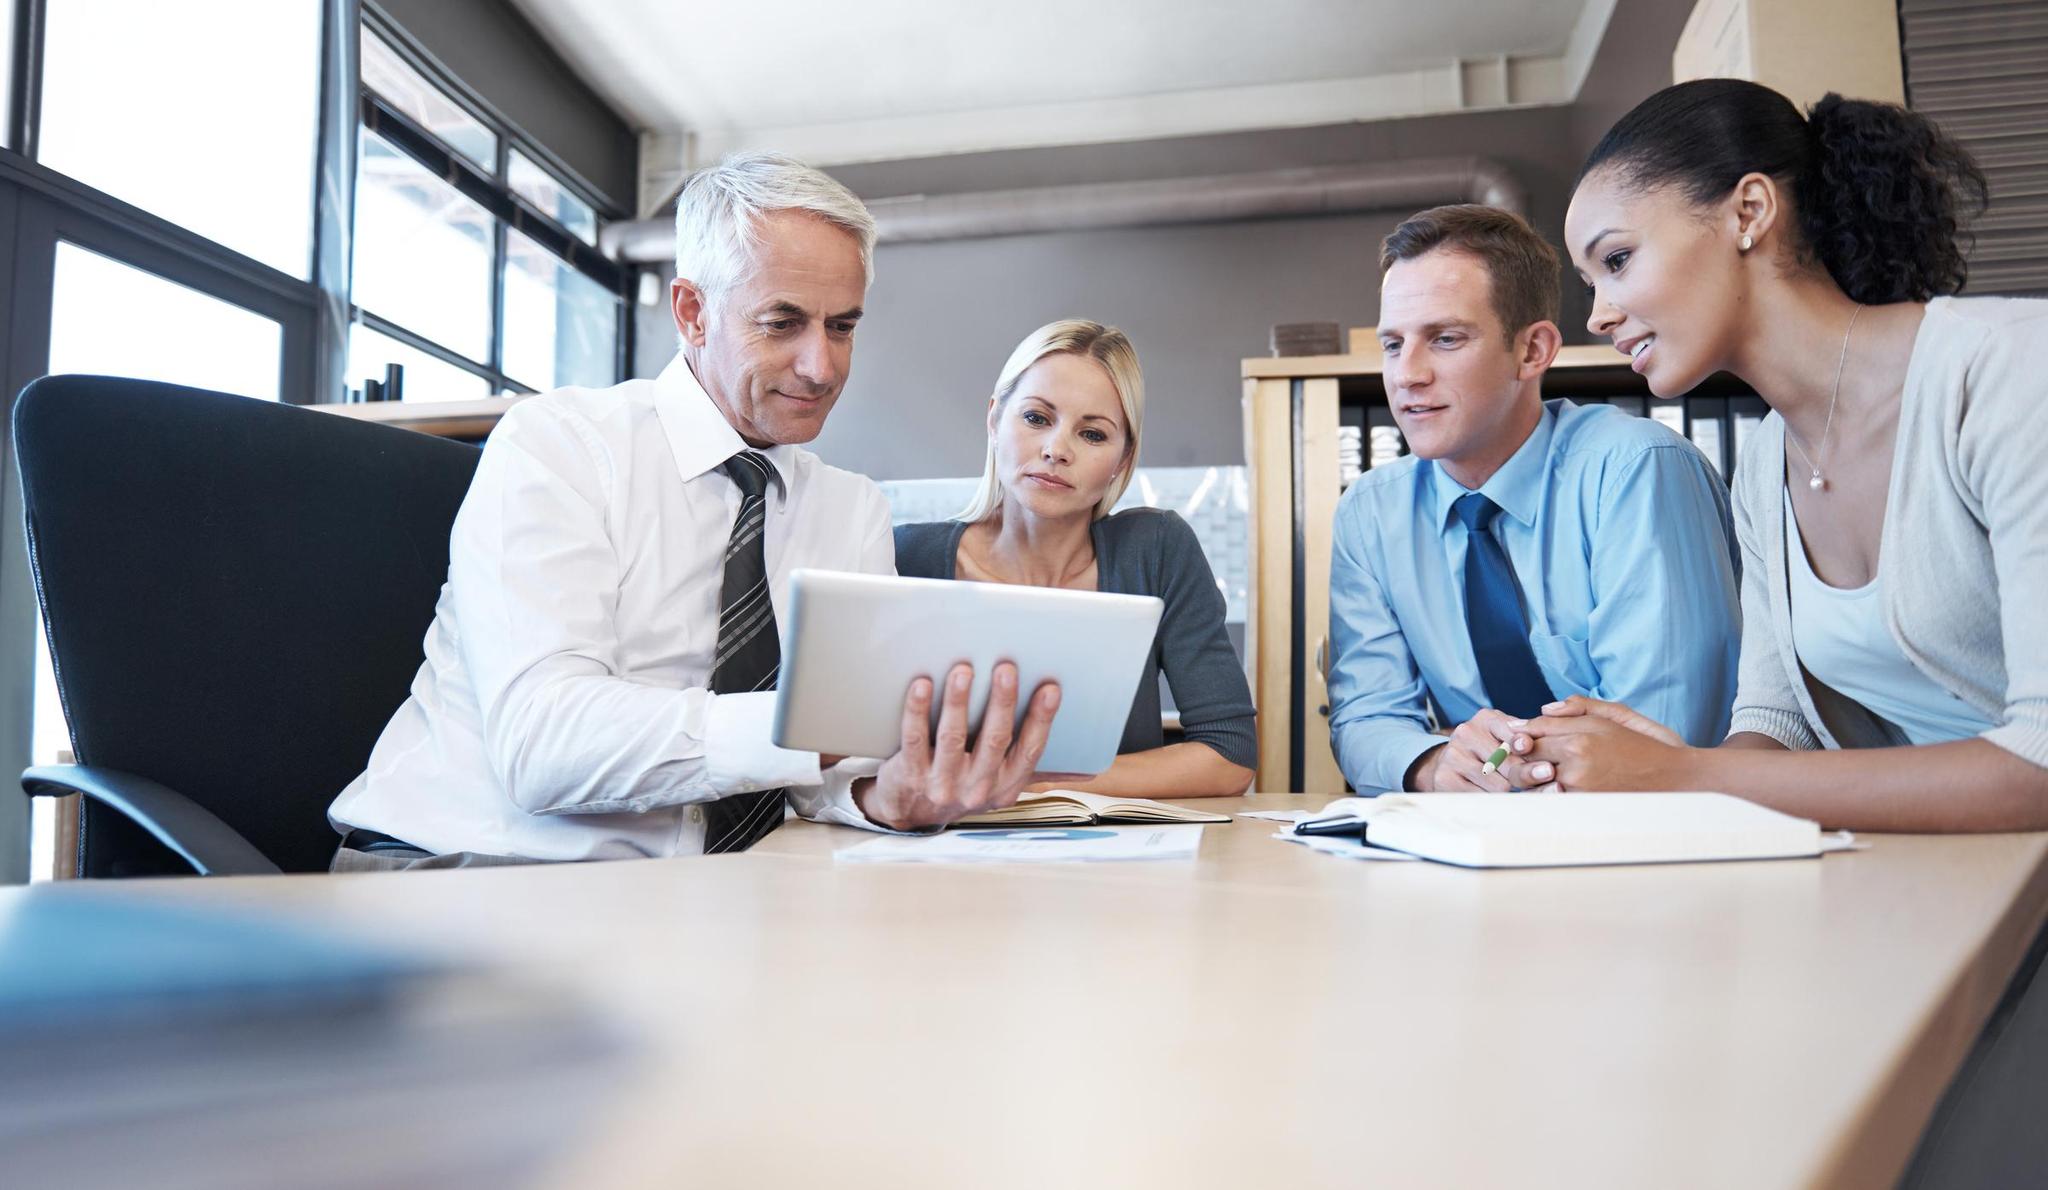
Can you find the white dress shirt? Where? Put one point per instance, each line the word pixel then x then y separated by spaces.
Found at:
pixel 562 712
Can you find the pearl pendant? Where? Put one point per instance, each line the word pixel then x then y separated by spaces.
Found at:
pixel 1816 483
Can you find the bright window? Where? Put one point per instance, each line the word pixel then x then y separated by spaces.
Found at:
pixel 541 188
pixel 422 251
pixel 113 319
pixel 6 72
pixel 425 377
pixel 560 326
pixel 389 75
pixel 140 97
pixel 441 233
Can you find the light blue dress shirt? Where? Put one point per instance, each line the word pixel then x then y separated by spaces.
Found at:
pixel 1620 536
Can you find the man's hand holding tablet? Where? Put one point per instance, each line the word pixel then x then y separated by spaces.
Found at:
pixel 935 777
pixel 866 656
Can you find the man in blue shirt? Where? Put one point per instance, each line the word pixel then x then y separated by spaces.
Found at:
pixel 1528 549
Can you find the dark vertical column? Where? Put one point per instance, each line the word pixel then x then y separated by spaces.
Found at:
pixel 25 92
pixel 1297 627
pixel 27 263
pixel 321 376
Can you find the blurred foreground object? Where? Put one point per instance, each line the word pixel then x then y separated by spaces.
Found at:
pixel 141 1045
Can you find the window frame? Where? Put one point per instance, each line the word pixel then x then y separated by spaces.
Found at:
pixel 52 206
pixel 494 193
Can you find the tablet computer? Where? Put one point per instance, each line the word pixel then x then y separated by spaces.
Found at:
pixel 853 643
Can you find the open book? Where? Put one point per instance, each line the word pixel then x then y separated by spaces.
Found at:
pixel 1066 807
pixel 1534 830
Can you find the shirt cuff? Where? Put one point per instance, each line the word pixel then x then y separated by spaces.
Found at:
pixel 737 755
pixel 2028 741
pixel 831 800
pixel 1384 755
pixel 1787 727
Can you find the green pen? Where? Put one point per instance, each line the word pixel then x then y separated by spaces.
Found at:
pixel 1493 762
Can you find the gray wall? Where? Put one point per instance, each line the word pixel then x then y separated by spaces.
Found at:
pixel 492 49
pixel 1195 299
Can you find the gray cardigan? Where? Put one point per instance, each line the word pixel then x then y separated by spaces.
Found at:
pixel 1145 551
pixel 1963 553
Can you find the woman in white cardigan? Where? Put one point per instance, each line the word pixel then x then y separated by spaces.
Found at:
pixel 1892 512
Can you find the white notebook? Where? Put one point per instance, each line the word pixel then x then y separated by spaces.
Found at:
pixel 1536 830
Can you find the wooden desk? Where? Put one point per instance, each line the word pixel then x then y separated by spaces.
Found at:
pixel 1264 1016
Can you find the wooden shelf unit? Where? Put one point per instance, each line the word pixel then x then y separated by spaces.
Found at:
pixel 1293 409
pixel 471 420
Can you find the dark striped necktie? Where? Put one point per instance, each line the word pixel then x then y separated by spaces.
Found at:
pixel 749 656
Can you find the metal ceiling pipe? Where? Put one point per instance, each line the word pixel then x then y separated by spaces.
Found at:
pixel 1272 194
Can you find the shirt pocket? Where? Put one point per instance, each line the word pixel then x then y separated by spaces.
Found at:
pixel 1565 659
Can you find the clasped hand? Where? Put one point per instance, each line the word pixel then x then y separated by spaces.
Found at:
pixel 935 778
pixel 1579 744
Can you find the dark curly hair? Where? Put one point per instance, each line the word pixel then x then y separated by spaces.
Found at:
pixel 1881 193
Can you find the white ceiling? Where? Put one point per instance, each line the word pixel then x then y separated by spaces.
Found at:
pixel 884 79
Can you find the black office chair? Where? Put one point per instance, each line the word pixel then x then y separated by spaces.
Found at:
pixel 235 594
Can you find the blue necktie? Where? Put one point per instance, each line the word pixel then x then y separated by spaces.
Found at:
pixel 1493 615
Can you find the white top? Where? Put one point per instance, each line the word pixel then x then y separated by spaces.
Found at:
pixel 562 710
pixel 1964 520
pixel 1842 641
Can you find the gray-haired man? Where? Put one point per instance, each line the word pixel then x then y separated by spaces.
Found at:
pixel 599 677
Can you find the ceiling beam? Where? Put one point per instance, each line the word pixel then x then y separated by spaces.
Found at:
pixel 1503 81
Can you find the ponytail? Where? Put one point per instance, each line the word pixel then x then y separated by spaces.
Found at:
pixel 1882 204
pixel 1881 193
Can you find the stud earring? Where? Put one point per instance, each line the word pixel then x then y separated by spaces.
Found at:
pixel 1747 243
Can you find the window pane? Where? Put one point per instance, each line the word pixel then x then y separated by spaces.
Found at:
pixel 116 320
pixel 539 187
pixel 560 326
pixel 425 378
pixel 422 251
pixel 6 72
pixel 131 89
pixel 409 91
pixel 52 732
pixel 49 743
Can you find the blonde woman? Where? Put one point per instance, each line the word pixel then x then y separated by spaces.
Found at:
pixel 1063 429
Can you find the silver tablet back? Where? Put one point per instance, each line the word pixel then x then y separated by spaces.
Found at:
pixel 852 644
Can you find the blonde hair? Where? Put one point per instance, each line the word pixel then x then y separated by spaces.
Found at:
pixel 1107 346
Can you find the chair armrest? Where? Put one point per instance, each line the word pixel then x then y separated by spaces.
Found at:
pixel 179 823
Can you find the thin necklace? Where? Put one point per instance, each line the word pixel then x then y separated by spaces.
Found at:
pixel 1818 482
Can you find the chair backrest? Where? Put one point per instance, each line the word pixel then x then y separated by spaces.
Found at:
pixel 236 594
